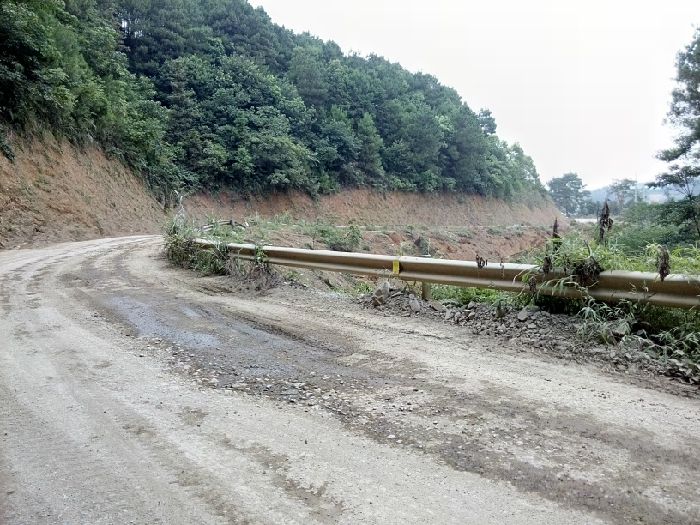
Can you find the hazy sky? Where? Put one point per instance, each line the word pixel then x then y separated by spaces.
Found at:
pixel 583 86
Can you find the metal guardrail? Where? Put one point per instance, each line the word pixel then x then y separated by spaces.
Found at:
pixel 680 291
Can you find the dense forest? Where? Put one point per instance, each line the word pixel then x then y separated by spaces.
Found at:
pixel 211 94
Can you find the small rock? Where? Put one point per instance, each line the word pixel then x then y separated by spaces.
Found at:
pixel 414 304
pixel 471 316
pixel 531 326
pixel 437 306
pixel 290 392
pixel 523 315
pixel 471 305
pixel 381 294
pixel 621 329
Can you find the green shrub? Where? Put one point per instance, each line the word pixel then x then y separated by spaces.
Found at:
pixel 180 249
pixel 338 239
pixel 443 292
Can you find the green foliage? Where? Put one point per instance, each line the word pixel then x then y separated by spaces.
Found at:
pixel 211 94
pixel 683 174
pixel 61 64
pixel 464 296
pixel 643 224
pixel 568 193
pixel 370 145
pixel 231 125
pixel 606 323
pixel 631 246
pixel 338 239
pixel 180 249
pixel 669 337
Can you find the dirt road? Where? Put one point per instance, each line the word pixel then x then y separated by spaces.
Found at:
pixel 132 392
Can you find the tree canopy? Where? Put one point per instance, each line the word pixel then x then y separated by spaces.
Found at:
pixel 568 193
pixel 212 94
pixel 683 174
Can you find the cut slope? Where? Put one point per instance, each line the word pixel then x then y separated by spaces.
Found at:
pixel 392 208
pixel 54 191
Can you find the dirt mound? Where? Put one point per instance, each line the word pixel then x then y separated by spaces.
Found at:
pixel 54 192
pixel 372 207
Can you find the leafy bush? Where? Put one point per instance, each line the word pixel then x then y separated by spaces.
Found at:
pixel 338 239
pixel 570 251
pixel 464 296
pixel 180 249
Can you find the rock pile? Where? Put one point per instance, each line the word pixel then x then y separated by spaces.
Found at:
pixel 519 329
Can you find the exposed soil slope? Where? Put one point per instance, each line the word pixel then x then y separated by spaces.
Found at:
pixel 455 226
pixel 372 207
pixel 54 191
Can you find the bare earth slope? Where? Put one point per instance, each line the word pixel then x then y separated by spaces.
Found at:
pixel 387 209
pixel 56 192
pixel 134 392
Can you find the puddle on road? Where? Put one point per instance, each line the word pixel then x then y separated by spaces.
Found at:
pixel 225 345
pixel 148 323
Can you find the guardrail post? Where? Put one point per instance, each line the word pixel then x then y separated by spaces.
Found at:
pixel 426 291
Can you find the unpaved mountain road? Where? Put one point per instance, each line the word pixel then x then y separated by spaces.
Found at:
pixel 132 392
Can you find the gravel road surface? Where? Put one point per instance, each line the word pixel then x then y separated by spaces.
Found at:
pixel 133 392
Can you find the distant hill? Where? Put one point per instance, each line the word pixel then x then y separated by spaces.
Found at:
pixel 645 193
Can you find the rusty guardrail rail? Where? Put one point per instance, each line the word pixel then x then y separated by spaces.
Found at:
pixel 680 291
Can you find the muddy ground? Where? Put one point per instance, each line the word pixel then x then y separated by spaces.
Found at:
pixel 133 390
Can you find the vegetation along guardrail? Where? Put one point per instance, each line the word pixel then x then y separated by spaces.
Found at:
pixel 680 291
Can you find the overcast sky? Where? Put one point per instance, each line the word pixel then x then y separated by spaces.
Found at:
pixel 583 86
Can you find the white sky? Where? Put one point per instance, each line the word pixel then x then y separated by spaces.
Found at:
pixel 583 86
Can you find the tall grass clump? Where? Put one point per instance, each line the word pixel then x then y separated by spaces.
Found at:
pixel 181 250
pixel 669 336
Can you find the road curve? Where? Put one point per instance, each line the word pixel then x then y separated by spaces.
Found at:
pixel 132 392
